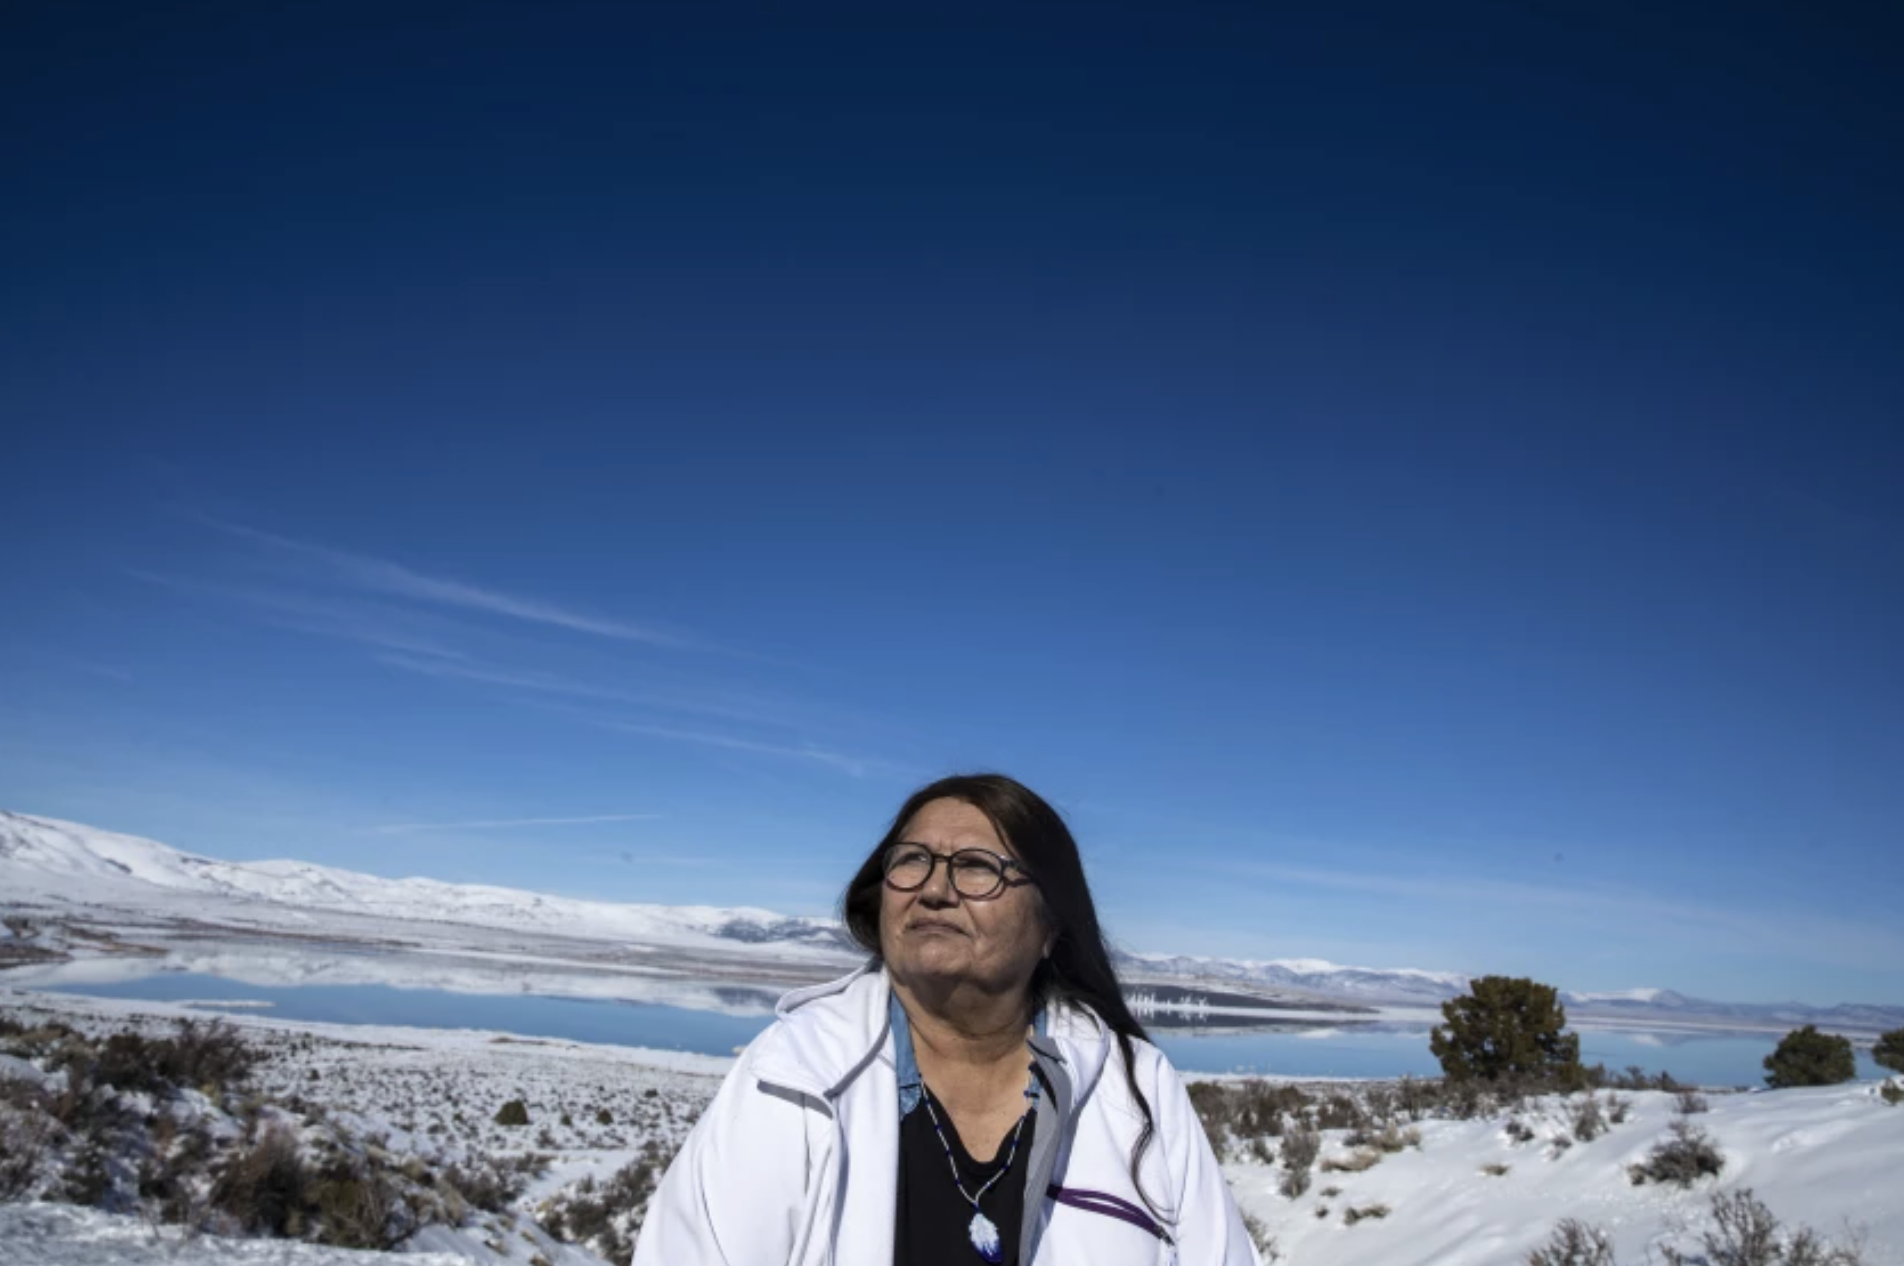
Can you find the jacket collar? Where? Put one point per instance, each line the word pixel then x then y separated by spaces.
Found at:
pixel 828 1034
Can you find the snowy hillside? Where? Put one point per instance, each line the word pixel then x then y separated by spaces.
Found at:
pixel 52 863
pixel 1391 1183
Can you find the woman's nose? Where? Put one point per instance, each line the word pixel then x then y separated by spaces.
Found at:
pixel 939 888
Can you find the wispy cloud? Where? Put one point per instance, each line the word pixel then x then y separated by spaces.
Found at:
pixel 381 575
pixel 486 824
pixel 370 624
pixel 730 705
pixel 858 767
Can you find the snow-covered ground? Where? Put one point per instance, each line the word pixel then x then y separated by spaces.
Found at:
pixel 427 1093
pixel 1467 1195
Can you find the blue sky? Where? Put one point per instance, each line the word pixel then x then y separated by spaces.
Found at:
pixel 1416 491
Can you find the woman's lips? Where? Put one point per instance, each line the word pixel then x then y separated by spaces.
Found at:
pixel 935 925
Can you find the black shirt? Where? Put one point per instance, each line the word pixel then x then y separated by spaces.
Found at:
pixel 933 1227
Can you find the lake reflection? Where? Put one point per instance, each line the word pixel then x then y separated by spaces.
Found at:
pixel 1280 1047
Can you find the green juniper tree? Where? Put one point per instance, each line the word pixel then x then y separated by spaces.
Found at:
pixel 1806 1057
pixel 1889 1051
pixel 1507 1027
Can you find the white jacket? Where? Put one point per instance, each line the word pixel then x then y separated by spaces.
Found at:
pixel 795 1162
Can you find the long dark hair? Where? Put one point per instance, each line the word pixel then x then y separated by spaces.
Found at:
pixel 1079 967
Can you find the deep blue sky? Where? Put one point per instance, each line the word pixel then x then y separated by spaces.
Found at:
pixel 1418 487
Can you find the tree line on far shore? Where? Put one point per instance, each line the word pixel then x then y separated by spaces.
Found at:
pixel 1510 1028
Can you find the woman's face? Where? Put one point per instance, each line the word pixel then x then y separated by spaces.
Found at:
pixel 936 935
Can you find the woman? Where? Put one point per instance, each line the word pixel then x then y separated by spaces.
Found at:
pixel 978 1092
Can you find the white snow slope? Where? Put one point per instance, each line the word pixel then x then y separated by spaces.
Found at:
pixel 64 864
pixel 1825 1158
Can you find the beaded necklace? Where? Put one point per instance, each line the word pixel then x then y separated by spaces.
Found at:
pixel 982 1230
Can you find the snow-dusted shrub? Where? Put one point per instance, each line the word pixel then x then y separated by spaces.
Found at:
pixel 1216 1108
pixel 1341 1112
pixel 1633 1077
pixel 1574 1243
pixel 1364 1213
pixel 485 1182
pixel 1806 1057
pixel 1390 1138
pixel 1589 1122
pixel 1617 1109
pixel 604 1117
pixel 1745 1233
pixel 1684 1158
pixel 1299 1150
pixel 25 1131
pixel 1353 1163
pixel 265 1187
pixel 515 1112
pixel 170 1173
pixel 1690 1103
pixel 606 1217
pixel 1266 1246
pixel 359 1206
pixel 208 1057
pixel 1517 1131
pixel 1245 1110
pixel 1496 1170
pixel 1382 1102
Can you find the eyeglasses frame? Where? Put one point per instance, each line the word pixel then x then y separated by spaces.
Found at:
pixel 1006 865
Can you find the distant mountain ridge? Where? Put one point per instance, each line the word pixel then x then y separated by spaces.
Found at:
pixel 45 862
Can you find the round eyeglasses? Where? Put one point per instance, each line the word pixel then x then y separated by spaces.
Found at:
pixel 976 873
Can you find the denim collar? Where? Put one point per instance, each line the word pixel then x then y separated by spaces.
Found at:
pixel 911 1085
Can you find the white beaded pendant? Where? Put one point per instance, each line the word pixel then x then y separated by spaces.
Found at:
pixel 985 1238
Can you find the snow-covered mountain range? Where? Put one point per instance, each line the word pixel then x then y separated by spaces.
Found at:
pixel 48 863
pixel 49 867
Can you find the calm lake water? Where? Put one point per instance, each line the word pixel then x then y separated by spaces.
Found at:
pixel 1336 1051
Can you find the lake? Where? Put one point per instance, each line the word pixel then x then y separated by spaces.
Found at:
pixel 1337 1050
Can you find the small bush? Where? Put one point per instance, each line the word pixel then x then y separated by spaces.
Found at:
pixel 1889 1051
pixel 1574 1243
pixel 1355 1162
pixel 606 1218
pixel 1495 1170
pixel 484 1183
pixel 1517 1131
pixel 513 1113
pixel 1266 1246
pixel 1589 1122
pixel 1341 1112
pixel 1617 1109
pixel 1684 1158
pixel 265 1187
pixel 1690 1103
pixel 25 1131
pixel 604 1117
pixel 1366 1212
pixel 1806 1057
pixel 1745 1233
pixel 1298 1153
pixel 358 1207
pixel 1891 1093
